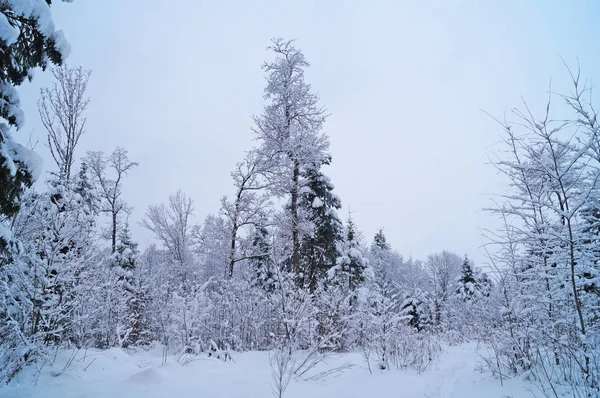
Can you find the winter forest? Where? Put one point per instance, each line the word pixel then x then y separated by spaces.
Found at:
pixel 282 276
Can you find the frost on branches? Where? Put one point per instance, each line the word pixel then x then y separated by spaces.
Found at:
pixel 547 320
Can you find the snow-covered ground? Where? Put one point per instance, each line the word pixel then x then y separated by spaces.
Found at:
pixel 114 373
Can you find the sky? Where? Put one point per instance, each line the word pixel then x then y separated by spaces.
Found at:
pixel 406 82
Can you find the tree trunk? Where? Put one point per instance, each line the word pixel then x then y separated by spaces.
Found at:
pixel 114 232
pixel 295 219
pixel 232 250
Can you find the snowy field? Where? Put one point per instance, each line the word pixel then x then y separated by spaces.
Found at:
pixel 114 373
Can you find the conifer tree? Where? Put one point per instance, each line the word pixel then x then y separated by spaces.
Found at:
pixel 27 41
pixel 352 268
pixel 467 283
pixel 132 326
pixel 259 257
pixel 318 204
pixel 380 241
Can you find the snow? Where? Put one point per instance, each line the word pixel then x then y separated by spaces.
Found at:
pixel 115 373
pixel 61 43
pixel 38 9
pixel 29 158
pixel 8 33
pixel 9 99
pixel 317 202
pixel 5 233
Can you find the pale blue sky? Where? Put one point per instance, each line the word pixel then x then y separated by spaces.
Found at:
pixel 176 82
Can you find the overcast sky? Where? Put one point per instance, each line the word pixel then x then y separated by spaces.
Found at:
pixel 176 83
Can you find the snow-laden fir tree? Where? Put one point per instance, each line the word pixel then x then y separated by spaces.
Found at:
pixel 352 267
pixel 318 207
pixel 259 254
pixel 130 296
pixel 28 40
pixel 467 285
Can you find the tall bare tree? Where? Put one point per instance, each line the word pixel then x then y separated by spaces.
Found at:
pixel 110 187
pixel 248 205
pixel 171 223
pixel 62 108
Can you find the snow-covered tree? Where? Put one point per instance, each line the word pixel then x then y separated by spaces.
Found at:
pixel 213 247
pixel 28 40
pixel 46 286
pixel 318 206
pixel 443 270
pixel 289 131
pixel 467 285
pixel 383 258
pixel 352 267
pixel 249 203
pixel 553 167
pixel 171 224
pixel 108 174
pixel 61 111
pixel 260 256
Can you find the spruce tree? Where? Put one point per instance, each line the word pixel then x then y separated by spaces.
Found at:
pixel 467 283
pixel 352 268
pixel 260 255
pixel 132 325
pixel 380 242
pixel 319 206
pixel 28 41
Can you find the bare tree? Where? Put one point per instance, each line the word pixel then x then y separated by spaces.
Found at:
pixel 61 110
pixel 554 174
pixel 443 269
pixel 117 164
pixel 171 225
pixel 248 205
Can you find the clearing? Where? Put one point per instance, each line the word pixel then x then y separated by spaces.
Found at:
pixel 114 373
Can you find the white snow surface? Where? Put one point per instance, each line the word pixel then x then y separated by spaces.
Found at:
pixel 114 373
